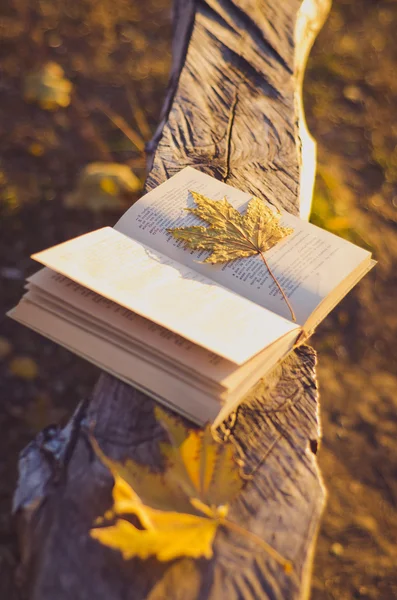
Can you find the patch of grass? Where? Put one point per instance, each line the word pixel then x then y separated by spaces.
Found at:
pixel 332 206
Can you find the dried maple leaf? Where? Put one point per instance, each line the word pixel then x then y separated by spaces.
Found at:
pixel 180 509
pixel 232 235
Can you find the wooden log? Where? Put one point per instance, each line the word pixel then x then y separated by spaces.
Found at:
pixel 233 109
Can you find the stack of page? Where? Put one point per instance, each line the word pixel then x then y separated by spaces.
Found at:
pixel 194 336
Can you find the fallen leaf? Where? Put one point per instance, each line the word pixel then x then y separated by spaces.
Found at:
pixel 8 197
pixel 48 87
pixel 232 235
pixel 36 149
pixel 338 223
pixel 101 186
pixel 109 186
pixel 24 367
pixel 5 347
pixel 169 535
pixel 179 509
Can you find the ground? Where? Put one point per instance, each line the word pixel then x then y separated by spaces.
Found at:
pixel 119 51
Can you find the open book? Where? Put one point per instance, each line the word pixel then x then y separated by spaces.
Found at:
pixel 194 336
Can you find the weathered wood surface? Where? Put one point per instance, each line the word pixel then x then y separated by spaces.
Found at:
pixel 232 109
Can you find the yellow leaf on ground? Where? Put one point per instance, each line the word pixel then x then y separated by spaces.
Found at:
pixel 48 87
pixel 109 186
pixel 102 186
pixel 24 367
pixel 36 149
pixel 5 347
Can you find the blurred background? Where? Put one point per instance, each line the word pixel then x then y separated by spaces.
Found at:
pixel 81 88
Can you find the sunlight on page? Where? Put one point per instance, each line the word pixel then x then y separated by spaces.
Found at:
pixel 162 342
pixel 168 293
pixel 309 264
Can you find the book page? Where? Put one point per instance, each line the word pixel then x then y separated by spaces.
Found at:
pixel 170 294
pixel 175 393
pixel 309 264
pixel 117 338
pixel 225 381
pixel 173 348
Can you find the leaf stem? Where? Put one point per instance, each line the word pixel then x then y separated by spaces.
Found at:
pixel 123 126
pixel 279 286
pixel 286 564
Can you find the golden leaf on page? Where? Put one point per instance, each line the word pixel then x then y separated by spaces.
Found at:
pixel 232 235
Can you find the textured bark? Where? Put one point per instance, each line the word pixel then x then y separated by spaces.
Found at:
pixel 233 110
